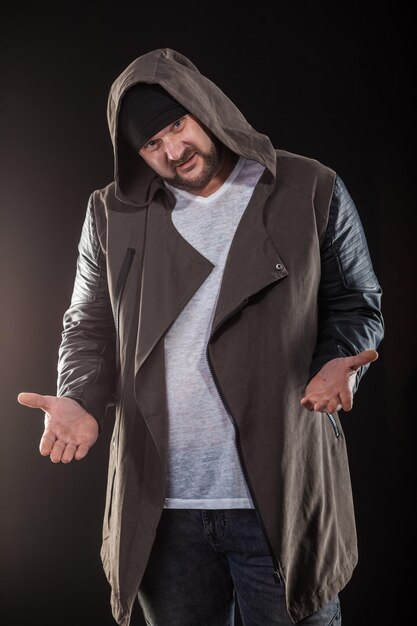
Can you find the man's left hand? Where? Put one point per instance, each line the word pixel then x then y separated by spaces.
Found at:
pixel 331 389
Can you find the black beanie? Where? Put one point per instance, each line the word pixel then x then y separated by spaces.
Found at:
pixel 145 110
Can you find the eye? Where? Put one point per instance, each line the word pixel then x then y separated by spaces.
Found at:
pixel 178 123
pixel 149 145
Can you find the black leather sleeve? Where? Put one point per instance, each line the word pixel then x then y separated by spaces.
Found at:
pixel 349 302
pixel 86 357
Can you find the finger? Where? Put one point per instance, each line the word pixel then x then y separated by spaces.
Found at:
pixel 307 404
pixel 82 451
pixel 363 358
pixel 46 444
pixel 334 404
pixel 321 406
pixel 56 452
pixel 346 398
pixel 69 452
pixel 33 400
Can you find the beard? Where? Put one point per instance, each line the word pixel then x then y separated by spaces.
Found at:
pixel 211 159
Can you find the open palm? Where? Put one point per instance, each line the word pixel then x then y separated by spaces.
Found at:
pixel 70 430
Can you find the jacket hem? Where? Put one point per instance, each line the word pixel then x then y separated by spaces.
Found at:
pixel 315 601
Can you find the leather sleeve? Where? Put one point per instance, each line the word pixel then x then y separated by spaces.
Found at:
pixel 349 301
pixel 86 357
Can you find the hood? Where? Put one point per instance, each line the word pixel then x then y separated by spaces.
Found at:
pixel 135 181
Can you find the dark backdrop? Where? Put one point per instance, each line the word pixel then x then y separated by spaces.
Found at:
pixel 328 80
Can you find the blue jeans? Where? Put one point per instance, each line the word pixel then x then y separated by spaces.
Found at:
pixel 203 560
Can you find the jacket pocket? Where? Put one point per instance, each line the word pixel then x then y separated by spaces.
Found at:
pixel 333 422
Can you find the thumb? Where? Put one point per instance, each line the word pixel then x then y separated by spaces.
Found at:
pixel 363 358
pixel 33 400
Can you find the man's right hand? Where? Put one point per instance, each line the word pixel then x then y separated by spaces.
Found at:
pixel 69 430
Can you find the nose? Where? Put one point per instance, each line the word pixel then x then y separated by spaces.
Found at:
pixel 173 148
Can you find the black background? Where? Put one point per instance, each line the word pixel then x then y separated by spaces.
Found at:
pixel 327 80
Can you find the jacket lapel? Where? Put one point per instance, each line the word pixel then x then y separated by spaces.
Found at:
pixel 253 261
pixel 172 272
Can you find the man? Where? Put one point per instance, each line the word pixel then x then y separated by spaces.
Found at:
pixel 225 302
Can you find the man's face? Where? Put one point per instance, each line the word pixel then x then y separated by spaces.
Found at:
pixel 184 154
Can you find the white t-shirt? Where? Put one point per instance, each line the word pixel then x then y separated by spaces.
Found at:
pixel 203 468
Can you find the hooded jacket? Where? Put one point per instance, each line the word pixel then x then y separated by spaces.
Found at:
pixel 298 290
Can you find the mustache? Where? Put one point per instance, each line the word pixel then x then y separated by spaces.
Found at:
pixel 187 154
